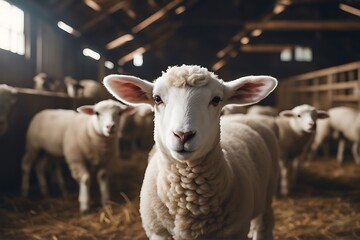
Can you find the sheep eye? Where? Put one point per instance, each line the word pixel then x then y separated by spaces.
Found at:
pixel 97 113
pixel 215 101
pixel 299 115
pixel 157 99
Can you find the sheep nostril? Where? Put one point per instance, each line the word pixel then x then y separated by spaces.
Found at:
pixel 184 136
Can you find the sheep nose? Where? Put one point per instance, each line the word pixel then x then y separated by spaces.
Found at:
pixel 184 136
pixel 110 126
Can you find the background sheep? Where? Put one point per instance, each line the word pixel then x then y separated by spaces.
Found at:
pixel 296 131
pixel 136 131
pixel 87 141
pixel 196 186
pixel 233 109
pixel 263 110
pixel 349 127
pixel 44 82
pixel 7 100
pixel 86 89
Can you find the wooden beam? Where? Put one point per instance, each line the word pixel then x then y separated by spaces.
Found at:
pixel 114 8
pixel 284 25
pixel 265 48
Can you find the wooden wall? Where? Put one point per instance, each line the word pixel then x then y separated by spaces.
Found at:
pixel 326 88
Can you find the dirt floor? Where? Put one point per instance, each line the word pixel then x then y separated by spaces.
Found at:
pixel 324 205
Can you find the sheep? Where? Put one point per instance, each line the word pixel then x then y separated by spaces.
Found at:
pixel 136 131
pixel 87 140
pixel 44 82
pixel 296 131
pixel 323 134
pixel 233 109
pixel 346 121
pixel 85 89
pixel 263 110
pixel 7 101
pixel 205 178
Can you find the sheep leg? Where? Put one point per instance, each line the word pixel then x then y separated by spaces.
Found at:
pixel 26 164
pixel 82 176
pixel 40 172
pixel 102 179
pixel 284 178
pixel 294 171
pixel 340 151
pixel 355 152
pixel 60 179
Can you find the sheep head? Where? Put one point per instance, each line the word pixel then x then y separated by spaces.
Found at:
pixel 187 102
pixel 304 117
pixel 105 115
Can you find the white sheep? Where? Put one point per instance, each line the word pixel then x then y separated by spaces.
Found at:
pixel 233 109
pixel 87 140
pixel 136 130
pixel 263 110
pixel 346 120
pixel 296 131
pixel 203 182
pixel 86 89
pixel 7 101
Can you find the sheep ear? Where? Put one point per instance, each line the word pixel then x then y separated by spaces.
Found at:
pixel 87 109
pixel 129 89
pixel 322 114
pixel 286 113
pixel 249 90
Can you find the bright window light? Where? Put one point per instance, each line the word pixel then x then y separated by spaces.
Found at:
pixel 286 55
pixel 68 28
pixel 138 59
pixel 12 36
pixel 91 53
pixel 109 65
pixel 303 54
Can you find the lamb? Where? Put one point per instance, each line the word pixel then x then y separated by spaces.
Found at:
pixel 7 101
pixel 205 178
pixel 136 131
pixel 87 141
pixel 296 131
pixel 86 89
pixel 263 110
pixel 346 121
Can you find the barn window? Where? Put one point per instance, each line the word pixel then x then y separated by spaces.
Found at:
pixel 12 28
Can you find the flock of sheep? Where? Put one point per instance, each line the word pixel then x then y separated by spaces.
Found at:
pixel 212 172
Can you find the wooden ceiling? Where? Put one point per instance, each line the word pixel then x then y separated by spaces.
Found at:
pixel 207 32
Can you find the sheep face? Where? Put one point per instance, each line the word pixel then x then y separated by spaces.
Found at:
pixel 7 100
pixel 305 117
pixel 187 102
pixel 105 116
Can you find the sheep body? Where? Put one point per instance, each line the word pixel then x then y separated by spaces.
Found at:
pixel 7 101
pixel 346 120
pixel 228 180
pixel 136 130
pixel 263 110
pixel 86 141
pixel 296 132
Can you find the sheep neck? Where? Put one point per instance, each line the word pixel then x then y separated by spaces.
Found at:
pixel 194 194
pixel 101 147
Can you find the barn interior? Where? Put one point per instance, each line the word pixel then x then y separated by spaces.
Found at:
pixel 311 47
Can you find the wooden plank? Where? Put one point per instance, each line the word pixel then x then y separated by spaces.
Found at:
pixel 345 98
pixel 325 72
pixel 295 25
pixel 265 47
pixel 326 87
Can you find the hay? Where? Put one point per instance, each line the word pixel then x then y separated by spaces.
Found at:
pixel 325 205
